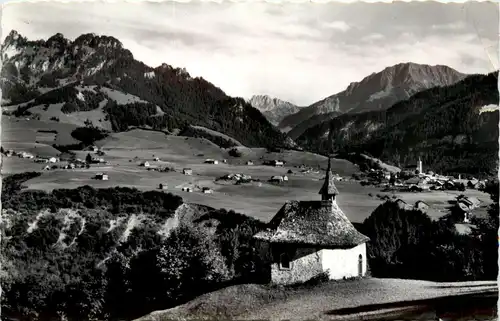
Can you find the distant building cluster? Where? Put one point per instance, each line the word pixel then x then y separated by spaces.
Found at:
pixel 418 180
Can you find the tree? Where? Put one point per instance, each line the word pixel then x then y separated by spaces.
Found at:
pixel 391 228
pixel 489 232
pixel 190 263
pixel 88 158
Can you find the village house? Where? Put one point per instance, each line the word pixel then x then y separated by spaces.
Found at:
pixel 187 189
pixel 276 179
pixel 163 186
pixel 70 166
pixel 422 206
pixel 93 148
pixel 211 161
pixel 157 159
pixel 249 163
pixel 145 164
pixel 465 205
pixel 403 205
pixel 26 155
pixel 206 190
pixel 277 163
pixel 306 238
pixel 41 160
pixel 187 171
pixel 53 160
pixel 102 176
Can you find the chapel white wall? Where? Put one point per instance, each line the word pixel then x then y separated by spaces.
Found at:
pixel 342 263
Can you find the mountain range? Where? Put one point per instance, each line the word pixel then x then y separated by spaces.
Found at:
pixel 404 112
pixel 453 129
pixel 378 91
pixel 96 77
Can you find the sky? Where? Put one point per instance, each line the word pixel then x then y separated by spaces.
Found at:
pixel 299 52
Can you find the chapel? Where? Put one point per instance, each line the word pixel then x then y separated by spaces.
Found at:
pixel 306 238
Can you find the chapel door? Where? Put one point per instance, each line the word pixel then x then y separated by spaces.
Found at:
pixel 360 265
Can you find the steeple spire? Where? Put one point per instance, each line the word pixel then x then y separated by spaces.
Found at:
pixel 328 191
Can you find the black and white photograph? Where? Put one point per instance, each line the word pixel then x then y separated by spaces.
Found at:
pixel 249 160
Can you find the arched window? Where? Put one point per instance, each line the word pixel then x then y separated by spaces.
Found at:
pixel 285 263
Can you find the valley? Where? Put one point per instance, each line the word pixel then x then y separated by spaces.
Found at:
pixel 129 189
pixel 125 151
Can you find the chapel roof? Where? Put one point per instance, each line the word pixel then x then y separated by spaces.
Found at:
pixel 313 223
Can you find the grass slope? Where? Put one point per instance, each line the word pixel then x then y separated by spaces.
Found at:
pixel 260 302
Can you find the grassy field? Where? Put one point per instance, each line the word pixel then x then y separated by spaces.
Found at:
pixel 27 131
pixel 125 151
pixel 96 116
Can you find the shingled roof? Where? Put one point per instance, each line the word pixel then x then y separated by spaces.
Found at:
pixel 313 223
pixel 329 187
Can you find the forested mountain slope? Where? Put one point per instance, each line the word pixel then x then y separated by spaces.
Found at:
pixel 95 73
pixel 377 91
pixel 454 129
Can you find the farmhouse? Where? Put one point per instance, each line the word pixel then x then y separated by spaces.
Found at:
pixel 26 155
pixel 403 205
pixel 306 238
pixel 277 163
pixel 276 179
pixel 187 171
pixel 206 190
pixel 102 176
pixel 145 164
pixel 41 160
pixel 421 205
pixel 70 166
pixel 53 160
pixel 249 163
pixel 211 161
pixel 163 186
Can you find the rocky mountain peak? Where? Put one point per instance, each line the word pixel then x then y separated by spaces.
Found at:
pixel 273 108
pixel 12 38
pixel 94 41
pixel 265 102
pixel 378 91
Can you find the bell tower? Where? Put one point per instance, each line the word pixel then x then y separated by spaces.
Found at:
pixel 329 191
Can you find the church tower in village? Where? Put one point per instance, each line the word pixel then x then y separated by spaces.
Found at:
pixel 419 166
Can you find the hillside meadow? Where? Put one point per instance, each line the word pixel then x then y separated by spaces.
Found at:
pixel 125 151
